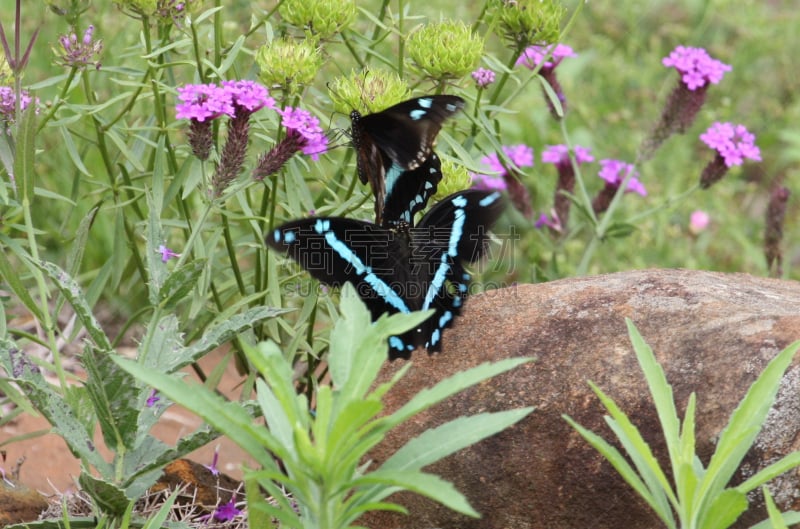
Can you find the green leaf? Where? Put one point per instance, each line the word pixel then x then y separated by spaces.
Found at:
pixel 745 424
pixel 724 510
pixel 71 290
pixel 622 467
pixel 789 518
pixel 108 497
pixel 225 416
pixel 450 386
pixel 436 443
pixel 12 279
pixel 162 347
pixel 772 510
pixel 179 283
pixel 427 485
pixel 115 396
pixel 770 472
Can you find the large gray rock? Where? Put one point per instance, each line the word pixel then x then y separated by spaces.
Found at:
pixel 712 332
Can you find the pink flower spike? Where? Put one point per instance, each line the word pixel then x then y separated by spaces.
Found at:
pixel 520 155
pixel 307 128
pixel 615 171
pixel 166 253
pixel 559 154
pixel 733 142
pixel 696 66
pixel 202 102
pixel 535 55
pixel 248 94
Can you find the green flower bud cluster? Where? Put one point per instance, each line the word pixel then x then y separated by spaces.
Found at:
pixel 525 22
pixel 322 18
pixel 455 178
pixel 445 50
pixel 368 92
pixel 142 7
pixel 289 64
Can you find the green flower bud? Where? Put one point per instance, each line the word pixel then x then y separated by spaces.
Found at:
pixel 445 50
pixel 455 178
pixel 141 7
pixel 322 18
pixel 525 22
pixel 289 64
pixel 367 92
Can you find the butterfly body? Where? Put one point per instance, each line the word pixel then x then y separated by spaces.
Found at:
pixel 394 148
pixel 403 268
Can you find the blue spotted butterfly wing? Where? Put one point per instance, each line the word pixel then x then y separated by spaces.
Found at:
pixel 392 144
pixel 402 269
pixel 407 192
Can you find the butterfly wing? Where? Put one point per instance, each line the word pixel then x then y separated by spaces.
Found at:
pixel 407 192
pixel 336 250
pixel 398 140
pixel 454 232
pixel 406 131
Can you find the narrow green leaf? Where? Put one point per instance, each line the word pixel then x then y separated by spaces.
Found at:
pixel 107 496
pixel 745 423
pixel 623 468
pixel 12 279
pixel 115 396
pixel 436 443
pixel 770 472
pixel 179 283
pixel 225 416
pixel 422 483
pixel 789 518
pixel 452 385
pixel 70 289
pixel 724 510
pixel 772 510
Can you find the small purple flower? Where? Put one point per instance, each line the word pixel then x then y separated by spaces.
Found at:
pixel 535 55
pixel 80 54
pixel 696 66
pixel 152 399
pixel 615 171
pixel 733 142
pixel 203 102
pixel 306 128
pixel 166 253
pixel 248 94
pixel 227 511
pixel 8 102
pixel 559 155
pixel 520 155
pixel 483 77
pixel 213 466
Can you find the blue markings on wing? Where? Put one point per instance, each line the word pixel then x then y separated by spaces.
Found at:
pixel 289 237
pixel 417 114
pixel 425 102
pixel 378 285
pixel 489 199
pixel 392 175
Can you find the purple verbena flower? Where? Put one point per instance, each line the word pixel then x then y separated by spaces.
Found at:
pixel 696 66
pixel 559 155
pixel 248 94
pixel 483 77
pixel 733 142
pixel 535 55
pixel 698 221
pixel 307 129
pixel 203 102
pixel 615 171
pixel 80 54
pixel 520 155
pixel 166 253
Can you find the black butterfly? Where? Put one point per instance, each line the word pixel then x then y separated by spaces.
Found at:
pixel 401 269
pixel 394 154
